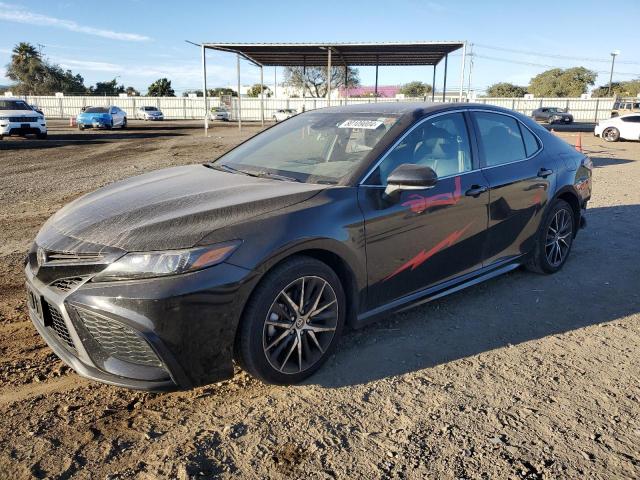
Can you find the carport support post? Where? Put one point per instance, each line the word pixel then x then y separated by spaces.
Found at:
pixel 375 90
pixel 239 95
pixel 329 76
pixel 444 87
pixel 346 83
pixel 433 85
pixel 261 96
pixel 462 68
pixel 204 91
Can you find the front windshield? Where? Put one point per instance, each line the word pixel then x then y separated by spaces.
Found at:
pixel 150 109
pixel 314 147
pixel 97 110
pixel 14 105
pixel 556 110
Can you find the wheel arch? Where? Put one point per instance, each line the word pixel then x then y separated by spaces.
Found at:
pixel 337 262
pixel 569 195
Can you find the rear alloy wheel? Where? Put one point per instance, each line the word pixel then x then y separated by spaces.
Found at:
pixel 292 322
pixel 555 238
pixel 124 123
pixel 611 134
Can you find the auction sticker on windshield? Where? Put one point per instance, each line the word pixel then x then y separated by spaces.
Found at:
pixel 366 124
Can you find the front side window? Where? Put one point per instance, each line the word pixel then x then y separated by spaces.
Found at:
pixel 315 147
pixel 441 142
pixel 500 138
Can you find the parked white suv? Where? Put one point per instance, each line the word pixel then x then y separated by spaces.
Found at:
pixel 17 117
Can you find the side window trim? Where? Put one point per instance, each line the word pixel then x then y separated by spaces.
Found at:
pixel 475 164
pixel 483 163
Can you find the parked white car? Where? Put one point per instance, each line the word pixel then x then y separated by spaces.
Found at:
pixel 17 117
pixel 626 127
pixel 283 114
pixel 149 113
pixel 220 113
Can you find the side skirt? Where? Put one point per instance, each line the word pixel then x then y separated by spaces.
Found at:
pixel 438 291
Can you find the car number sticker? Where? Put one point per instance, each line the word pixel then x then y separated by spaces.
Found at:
pixel 365 124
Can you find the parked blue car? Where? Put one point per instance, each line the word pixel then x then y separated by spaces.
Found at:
pixel 102 117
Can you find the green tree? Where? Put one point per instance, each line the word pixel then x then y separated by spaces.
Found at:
pixel 557 82
pixel 630 88
pixel 219 91
pixel 505 89
pixel 314 80
pixel 110 88
pixel 415 89
pixel 254 91
pixel 161 88
pixel 34 75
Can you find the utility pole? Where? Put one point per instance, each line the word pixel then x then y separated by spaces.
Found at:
pixel 470 70
pixel 613 61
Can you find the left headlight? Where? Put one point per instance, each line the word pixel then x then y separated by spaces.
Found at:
pixel 136 265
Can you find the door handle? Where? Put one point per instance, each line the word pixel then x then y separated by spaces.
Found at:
pixel 544 172
pixel 476 191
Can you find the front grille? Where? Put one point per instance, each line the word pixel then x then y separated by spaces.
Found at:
pixel 118 340
pixel 23 119
pixel 69 257
pixel 67 284
pixel 58 325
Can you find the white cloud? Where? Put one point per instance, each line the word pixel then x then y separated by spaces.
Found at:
pixel 16 13
pixel 89 65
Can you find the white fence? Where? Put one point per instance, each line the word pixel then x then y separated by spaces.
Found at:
pixel 180 108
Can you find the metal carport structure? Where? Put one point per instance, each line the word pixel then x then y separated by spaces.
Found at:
pixel 345 54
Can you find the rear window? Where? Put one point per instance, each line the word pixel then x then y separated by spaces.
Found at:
pixel 97 110
pixel 150 109
pixel 500 138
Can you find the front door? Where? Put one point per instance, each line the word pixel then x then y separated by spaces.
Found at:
pixel 423 237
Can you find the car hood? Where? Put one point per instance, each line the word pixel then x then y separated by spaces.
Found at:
pixel 19 113
pixel 167 209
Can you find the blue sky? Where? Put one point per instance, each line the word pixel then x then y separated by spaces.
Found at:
pixel 141 40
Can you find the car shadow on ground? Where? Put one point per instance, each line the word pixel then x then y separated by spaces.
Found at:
pixel 512 309
pixel 600 162
pixel 55 140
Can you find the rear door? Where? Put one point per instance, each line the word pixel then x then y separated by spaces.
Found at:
pixel 520 179
pixel 424 237
pixel 630 127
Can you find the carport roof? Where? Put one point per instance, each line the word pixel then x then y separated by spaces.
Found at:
pixel 352 54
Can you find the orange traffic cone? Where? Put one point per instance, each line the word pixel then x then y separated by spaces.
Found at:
pixel 72 121
pixel 579 143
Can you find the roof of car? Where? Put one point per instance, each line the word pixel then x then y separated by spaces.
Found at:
pixel 403 108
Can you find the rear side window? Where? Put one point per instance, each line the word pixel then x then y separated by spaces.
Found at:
pixel 500 138
pixel 531 144
pixel 633 119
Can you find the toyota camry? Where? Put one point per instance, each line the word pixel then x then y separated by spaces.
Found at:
pixel 335 217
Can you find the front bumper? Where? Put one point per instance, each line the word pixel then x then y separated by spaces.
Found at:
pixel 156 334
pixel 18 128
pixel 157 117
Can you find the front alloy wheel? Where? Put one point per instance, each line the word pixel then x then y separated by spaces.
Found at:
pixel 300 325
pixel 611 134
pixel 291 322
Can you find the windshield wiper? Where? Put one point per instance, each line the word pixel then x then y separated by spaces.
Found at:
pixel 227 168
pixel 276 176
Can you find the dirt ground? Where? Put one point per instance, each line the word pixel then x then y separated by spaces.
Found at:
pixel 524 376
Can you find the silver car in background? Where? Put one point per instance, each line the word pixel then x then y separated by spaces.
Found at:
pixel 149 113
pixel 220 113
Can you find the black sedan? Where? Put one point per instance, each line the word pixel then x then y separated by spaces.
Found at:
pixel 334 217
pixel 552 115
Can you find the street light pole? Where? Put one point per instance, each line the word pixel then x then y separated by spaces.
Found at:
pixel 613 61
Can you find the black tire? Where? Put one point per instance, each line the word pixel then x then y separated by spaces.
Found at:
pixel 550 121
pixel 611 134
pixel 80 127
pixel 257 347
pixel 543 259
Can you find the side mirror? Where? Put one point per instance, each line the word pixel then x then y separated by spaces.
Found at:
pixel 410 177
